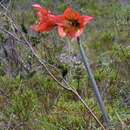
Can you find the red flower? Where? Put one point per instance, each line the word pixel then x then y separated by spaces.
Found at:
pixel 46 19
pixel 71 23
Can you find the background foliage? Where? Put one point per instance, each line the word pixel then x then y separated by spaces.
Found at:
pixel 31 100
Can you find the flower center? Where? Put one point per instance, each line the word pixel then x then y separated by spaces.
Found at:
pixel 74 23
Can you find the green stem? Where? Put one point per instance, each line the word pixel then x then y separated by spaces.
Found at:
pixel 94 84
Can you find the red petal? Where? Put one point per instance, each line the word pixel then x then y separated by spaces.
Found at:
pixel 69 13
pixel 59 20
pixel 46 20
pixel 37 6
pixel 61 31
pixel 42 27
pixel 40 8
pixel 87 19
pixel 35 28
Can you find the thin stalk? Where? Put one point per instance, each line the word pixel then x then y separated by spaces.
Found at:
pixel 94 84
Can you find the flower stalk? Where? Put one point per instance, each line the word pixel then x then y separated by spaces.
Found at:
pixel 94 84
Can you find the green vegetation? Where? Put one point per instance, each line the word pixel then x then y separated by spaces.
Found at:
pixel 31 100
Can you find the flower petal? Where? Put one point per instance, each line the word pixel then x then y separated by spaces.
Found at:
pixel 61 31
pixel 87 19
pixel 69 13
pixel 46 20
pixel 59 20
pixel 39 27
pixel 37 6
pixel 40 9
